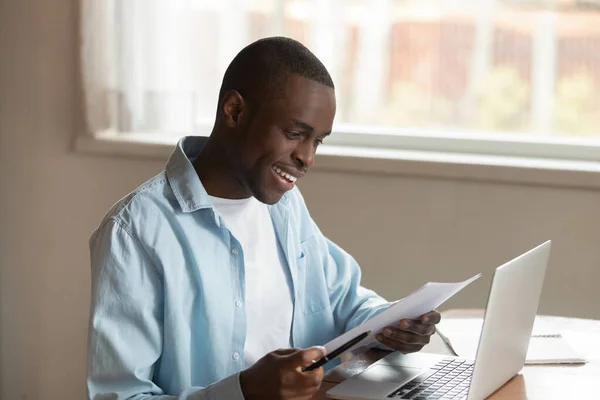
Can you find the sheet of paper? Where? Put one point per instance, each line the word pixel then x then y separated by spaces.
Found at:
pixel 545 347
pixel 427 298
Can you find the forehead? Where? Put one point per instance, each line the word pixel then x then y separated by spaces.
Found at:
pixel 307 101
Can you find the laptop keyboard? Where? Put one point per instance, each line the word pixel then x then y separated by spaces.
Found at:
pixel 448 379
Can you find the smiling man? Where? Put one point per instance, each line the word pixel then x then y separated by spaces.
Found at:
pixel 211 280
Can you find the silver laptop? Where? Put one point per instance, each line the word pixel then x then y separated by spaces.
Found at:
pixel 511 308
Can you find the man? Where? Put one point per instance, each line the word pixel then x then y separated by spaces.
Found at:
pixel 211 280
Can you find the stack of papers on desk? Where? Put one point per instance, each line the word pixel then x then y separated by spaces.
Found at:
pixel 547 345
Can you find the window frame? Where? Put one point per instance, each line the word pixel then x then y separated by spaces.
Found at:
pixel 404 154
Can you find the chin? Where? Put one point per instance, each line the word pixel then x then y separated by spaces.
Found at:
pixel 265 191
pixel 269 198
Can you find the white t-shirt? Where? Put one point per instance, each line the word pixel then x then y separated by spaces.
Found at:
pixel 268 296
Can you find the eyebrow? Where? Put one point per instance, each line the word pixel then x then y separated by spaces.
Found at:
pixel 307 127
pixel 303 125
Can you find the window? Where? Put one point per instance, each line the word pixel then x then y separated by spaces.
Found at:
pixel 518 77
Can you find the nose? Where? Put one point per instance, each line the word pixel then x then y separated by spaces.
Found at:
pixel 304 155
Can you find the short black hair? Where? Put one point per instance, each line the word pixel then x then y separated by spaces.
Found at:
pixel 259 70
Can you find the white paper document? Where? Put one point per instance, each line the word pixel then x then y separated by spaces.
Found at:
pixel 547 345
pixel 423 300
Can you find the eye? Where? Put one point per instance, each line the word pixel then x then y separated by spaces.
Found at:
pixel 293 134
pixel 318 142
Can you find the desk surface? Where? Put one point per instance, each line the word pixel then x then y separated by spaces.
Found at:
pixel 533 383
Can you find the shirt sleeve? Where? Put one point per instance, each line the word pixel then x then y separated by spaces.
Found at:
pixel 125 330
pixel 352 303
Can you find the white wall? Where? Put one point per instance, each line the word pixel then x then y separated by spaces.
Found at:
pixel 52 198
pixel 404 231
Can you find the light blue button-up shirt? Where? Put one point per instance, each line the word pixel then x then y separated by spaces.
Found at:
pixel 167 312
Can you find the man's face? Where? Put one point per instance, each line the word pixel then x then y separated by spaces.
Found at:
pixel 277 144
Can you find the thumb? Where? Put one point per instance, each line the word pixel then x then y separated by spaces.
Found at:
pixel 305 357
pixel 285 352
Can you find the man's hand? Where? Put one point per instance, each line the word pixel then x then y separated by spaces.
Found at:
pixel 279 376
pixel 412 334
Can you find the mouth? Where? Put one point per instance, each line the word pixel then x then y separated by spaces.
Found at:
pixel 287 176
pixel 285 179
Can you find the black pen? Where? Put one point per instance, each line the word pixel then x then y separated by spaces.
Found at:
pixel 336 352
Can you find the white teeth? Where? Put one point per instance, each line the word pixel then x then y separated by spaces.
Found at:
pixel 289 177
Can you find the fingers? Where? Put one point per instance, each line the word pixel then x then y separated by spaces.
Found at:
pixel 309 381
pixel 432 317
pixel 305 357
pixel 283 368
pixel 411 335
pixel 416 327
pixel 305 385
pixel 285 352
pixel 402 347
pixel 405 337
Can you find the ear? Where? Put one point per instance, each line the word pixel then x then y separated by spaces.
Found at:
pixel 233 108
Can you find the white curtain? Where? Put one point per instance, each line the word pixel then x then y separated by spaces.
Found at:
pixel 371 77
pixel 141 65
pixel 156 65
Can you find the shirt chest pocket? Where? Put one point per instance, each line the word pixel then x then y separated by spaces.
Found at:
pixel 313 292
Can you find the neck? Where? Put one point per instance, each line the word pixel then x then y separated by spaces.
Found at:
pixel 216 172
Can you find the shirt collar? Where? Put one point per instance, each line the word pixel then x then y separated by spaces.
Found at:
pixel 183 179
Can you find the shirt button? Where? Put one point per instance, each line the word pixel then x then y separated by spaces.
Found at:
pixel 234 251
pixel 235 356
pixel 238 304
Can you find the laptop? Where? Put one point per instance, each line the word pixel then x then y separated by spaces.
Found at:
pixel 510 313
